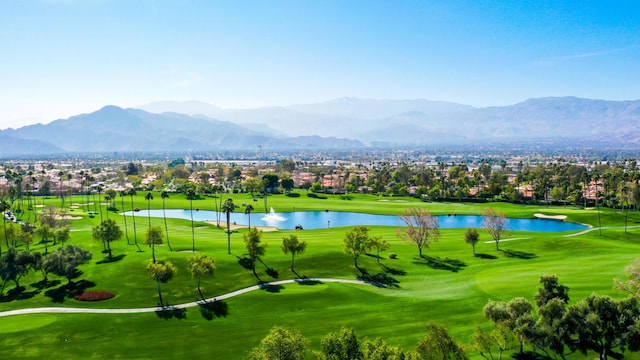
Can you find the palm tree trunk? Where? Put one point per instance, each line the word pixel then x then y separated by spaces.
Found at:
pixel 133 217
pixel 160 294
pixel 193 234
pixel 229 233
pixel 166 229
pixel 126 230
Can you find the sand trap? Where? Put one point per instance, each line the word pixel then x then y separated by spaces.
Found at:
pixel 551 217
pixel 68 217
pixel 235 227
pixel 396 201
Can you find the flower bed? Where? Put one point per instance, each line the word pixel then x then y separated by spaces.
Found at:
pixel 94 295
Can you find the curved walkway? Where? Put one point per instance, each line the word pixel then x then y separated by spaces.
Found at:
pixel 604 227
pixel 55 310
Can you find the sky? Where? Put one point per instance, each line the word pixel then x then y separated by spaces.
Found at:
pixel 60 58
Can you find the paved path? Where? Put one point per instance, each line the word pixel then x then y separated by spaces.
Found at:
pixel 604 227
pixel 55 310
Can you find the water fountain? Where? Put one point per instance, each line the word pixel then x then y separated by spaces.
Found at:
pixel 272 218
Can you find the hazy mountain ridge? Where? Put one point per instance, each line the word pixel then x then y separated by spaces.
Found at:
pixel 115 129
pixel 406 122
pixel 346 123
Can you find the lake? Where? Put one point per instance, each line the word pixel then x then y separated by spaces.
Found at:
pixel 325 219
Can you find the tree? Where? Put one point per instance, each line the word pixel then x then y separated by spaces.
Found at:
pixel 340 345
pixel 64 261
pixel 164 195
pixel 377 349
pixel 126 230
pixel 190 195
pixel 422 228
pixel 4 206
pixel 357 242
pixel 25 237
pixel 132 192
pixel 61 234
pixel 551 289
pixel 153 236
pixel 291 244
pixel 471 237
pixel 287 184
pixel 247 210
pixel 380 245
pixel 201 265
pixel 228 208
pixel 13 265
pixel 495 223
pixel 254 248
pixel 45 232
pixel 148 197
pixel 280 344
pixel 602 324
pixel 161 272
pixel 632 285
pixel 438 344
pixel 107 232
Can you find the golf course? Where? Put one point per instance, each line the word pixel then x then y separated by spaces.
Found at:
pixel 392 295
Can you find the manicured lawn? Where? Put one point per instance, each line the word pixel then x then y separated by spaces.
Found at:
pixel 450 286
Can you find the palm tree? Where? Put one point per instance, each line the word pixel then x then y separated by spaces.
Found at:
pixel 108 199
pixel 132 192
pixel 191 194
pixel 164 195
pixel 122 194
pixel 4 206
pixel 228 208
pixel 247 210
pixel 99 189
pixel 60 175
pixel 149 197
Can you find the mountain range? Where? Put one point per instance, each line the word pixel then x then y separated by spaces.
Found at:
pixel 345 123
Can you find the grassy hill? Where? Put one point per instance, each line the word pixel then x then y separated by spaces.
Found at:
pixel 449 286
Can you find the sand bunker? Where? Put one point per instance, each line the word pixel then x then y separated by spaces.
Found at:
pixel 551 217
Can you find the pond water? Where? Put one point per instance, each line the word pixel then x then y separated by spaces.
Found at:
pixel 324 219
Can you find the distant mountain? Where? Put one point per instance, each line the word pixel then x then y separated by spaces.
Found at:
pixel 346 123
pixel 12 146
pixel 424 122
pixel 115 129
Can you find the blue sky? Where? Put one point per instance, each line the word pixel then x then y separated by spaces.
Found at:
pixel 64 57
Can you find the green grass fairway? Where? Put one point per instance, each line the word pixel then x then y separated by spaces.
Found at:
pixel 450 286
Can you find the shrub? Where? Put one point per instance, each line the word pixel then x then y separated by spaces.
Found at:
pixel 94 296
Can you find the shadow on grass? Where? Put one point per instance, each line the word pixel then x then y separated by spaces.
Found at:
pixel 245 262
pixel 43 284
pixel 438 263
pixel 69 290
pixel 519 254
pixel 486 256
pixel 212 309
pixel 379 279
pixel 113 259
pixel 308 282
pixel 169 313
pixel 272 272
pixel 393 271
pixel 18 293
pixel 271 288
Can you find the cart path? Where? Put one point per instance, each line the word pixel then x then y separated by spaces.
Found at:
pixel 604 227
pixel 55 310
